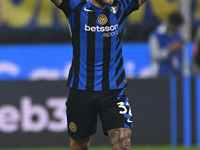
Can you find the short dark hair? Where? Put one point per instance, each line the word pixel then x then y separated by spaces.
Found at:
pixel 176 18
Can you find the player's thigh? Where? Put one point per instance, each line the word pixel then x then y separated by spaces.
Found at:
pixel 120 133
pixel 116 113
pixel 81 114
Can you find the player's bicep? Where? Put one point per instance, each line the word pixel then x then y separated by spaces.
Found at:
pixel 131 6
pixel 68 6
pixel 141 2
pixel 57 2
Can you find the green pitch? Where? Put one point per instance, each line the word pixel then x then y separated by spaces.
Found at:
pixel 108 148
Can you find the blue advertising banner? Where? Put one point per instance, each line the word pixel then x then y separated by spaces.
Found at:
pixel 52 61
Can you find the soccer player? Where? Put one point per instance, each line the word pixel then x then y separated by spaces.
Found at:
pixel 97 78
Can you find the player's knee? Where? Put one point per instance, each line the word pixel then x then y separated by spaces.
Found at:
pixel 125 142
pixel 125 139
pixel 120 138
pixel 84 146
pixel 80 144
pixel 124 133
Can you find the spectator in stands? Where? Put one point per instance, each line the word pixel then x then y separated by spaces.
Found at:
pixel 167 48
pixel 196 54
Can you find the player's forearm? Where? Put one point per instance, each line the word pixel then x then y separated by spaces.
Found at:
pixel 142 2
pixel 57 2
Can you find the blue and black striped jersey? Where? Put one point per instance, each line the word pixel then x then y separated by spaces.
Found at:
pixel 97 63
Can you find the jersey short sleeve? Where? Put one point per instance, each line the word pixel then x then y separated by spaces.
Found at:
pixel 67 6
pixel 130 5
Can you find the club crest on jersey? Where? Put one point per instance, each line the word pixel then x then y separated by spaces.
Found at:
pixel 102 19
pixel 113 9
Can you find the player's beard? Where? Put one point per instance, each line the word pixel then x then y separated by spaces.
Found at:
pixel 105 2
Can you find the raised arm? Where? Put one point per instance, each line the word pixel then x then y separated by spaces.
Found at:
pixel 57 2
pixel 142 2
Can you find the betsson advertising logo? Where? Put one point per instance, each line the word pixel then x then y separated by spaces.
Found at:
pixel 34 118
pixel 109 30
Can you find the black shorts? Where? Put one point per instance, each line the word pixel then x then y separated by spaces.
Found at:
pixel 83 107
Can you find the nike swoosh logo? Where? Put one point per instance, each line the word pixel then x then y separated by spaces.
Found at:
pixel 88 9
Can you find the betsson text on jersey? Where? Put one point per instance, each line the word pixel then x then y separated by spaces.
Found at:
pixel 113 30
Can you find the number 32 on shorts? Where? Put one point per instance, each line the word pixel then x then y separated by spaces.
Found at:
pixel 124 106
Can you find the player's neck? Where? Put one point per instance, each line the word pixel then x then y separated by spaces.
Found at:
pixel 97 4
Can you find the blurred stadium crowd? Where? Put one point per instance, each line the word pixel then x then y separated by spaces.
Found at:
pixel 43 23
